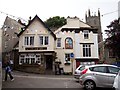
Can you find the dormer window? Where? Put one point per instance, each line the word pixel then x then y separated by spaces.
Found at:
pixel 86 34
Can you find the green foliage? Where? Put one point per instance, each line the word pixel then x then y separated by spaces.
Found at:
pixel 113 40
pixel 55 22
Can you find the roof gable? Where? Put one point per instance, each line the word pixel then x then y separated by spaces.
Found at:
pixel 74 24
pixel 30 23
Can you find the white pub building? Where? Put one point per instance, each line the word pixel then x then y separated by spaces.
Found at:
pixel 79 40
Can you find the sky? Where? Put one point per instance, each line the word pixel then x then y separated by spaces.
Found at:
pixel 64 8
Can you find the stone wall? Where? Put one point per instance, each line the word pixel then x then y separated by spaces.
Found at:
pixel 32 68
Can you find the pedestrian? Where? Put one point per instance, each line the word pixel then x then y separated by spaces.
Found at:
pixel 8 71
pixel 11 64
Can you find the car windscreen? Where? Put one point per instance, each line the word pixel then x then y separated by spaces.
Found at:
pixel 81 68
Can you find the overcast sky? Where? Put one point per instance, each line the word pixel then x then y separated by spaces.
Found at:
pixel 49 8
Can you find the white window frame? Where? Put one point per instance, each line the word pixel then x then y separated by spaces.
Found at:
pixel 38 59
pixel 86 34
pixel 66 58
pixel 30 57
pixel 44 38
pixel 20 61
pixel 58 42
pixel 27 40
pixel 86 50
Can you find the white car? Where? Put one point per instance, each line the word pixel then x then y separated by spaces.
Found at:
pixel 78 71
pixel 116 83
pixel 99 75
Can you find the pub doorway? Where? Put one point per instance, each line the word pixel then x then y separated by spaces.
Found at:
pixel 49 62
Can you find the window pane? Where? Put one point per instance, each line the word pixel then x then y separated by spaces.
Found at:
pixel 32 60
pixel 32 40
pixel 86 50
pixel 113 70
pixel 89 52
pixel 67 57
pixel 21 59
pixel 59 42
pixel 86 34
pixel 38 59
pixel 46 40
pixel 26 42
pixel 27 60
pixel 41 40
pixel 99 69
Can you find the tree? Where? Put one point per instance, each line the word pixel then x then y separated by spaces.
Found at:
pixel 55 22
pixel 113 40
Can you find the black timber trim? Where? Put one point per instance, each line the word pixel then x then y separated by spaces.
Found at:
pixel 86 59
pixel 38 52
pixel 77 30
pixel 86 43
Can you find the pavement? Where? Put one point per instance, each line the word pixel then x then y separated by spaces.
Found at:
pixel 31 80
pixel 33 75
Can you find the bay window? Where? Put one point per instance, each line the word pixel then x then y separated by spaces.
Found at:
pixel 30 59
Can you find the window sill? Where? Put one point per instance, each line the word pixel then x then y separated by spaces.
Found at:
pixel 28 65
pixel 67 63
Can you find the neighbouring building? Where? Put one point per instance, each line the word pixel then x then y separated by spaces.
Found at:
pixel 95 21
pixel 119 9
pixel 37 48
pixel 0 59
pixel 10 29
pixel 77 43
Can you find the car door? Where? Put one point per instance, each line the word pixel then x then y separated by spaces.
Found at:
pixel 119 80
pixel 100 76
pixel 112 72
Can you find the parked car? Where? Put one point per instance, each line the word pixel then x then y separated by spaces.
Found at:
pixel 99 75
pixel 78 71
pixel 116 84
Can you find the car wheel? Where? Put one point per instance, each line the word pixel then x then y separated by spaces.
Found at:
pixel 89 85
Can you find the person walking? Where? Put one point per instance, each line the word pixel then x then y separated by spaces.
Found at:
pixel 8 71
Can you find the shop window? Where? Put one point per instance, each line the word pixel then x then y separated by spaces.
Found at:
pixel 30 59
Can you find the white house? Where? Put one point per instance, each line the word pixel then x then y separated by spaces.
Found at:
pixel 77 43
pixel 36 47
pixel 41 50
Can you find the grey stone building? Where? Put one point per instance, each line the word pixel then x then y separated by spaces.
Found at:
pixel 95 21
pixel 9 37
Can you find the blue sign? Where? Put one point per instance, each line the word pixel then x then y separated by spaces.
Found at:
pixel 71 55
